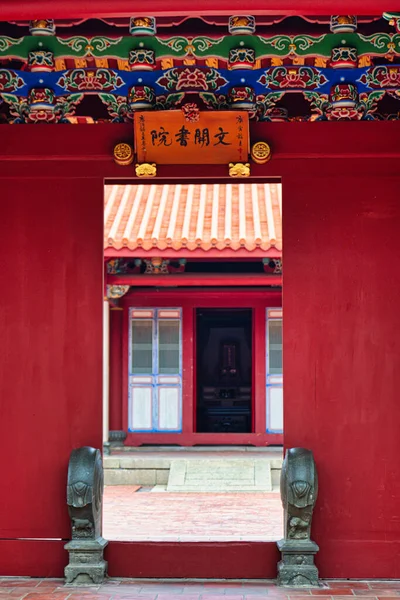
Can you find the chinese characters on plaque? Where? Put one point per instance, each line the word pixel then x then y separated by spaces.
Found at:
pixel 166 137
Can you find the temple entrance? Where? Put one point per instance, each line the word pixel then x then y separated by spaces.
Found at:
pixel 195 382
pixel 224 370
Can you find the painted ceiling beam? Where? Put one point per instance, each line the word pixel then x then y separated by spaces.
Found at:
pixel 10 10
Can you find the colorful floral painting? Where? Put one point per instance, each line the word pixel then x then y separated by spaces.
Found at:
pixel 382 77
pixel 10 81
pixel 279 78
pixel 207 79
pixel 102 80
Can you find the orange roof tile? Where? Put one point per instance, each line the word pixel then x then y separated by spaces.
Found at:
pixel 193 216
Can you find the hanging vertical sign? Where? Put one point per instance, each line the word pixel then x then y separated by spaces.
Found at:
pixel 168 137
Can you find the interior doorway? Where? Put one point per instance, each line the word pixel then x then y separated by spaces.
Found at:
pixel 224 349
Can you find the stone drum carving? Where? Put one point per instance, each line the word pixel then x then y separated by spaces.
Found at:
pixel 299 491
pixel 84 500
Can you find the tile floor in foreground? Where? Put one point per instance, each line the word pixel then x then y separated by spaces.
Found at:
pixel 129 514
pixel 126 589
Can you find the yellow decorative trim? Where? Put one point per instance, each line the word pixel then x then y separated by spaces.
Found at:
pixel 167 63
pixel 276 62
pixel 123 154
pixel 123 65
pixel 60 64
pixel 80 63
pixel 364 61
pixel 116 308
pixel 320 62
pixel 261 153
pixel 75 120
pixel 212 62
pixel 239 169
pixel 101 63
pixel 146 170
pixel 42 23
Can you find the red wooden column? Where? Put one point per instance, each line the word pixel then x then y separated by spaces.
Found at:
pixel 259 376
pixel 188 358
pixel 117 434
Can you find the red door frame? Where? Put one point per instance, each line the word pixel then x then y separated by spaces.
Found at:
pixel 193 299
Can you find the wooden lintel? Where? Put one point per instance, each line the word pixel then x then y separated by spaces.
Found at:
pixel 196 279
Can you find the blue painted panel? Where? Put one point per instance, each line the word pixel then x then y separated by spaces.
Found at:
pixel 162 81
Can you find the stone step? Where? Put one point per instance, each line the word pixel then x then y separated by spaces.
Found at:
pixel 194 449
pixel 148 467
pixel 220 475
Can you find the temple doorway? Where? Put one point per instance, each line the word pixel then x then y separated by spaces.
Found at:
pixel 224 349
pixel 195 383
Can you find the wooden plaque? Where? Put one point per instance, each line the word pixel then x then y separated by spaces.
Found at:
pixel 166 137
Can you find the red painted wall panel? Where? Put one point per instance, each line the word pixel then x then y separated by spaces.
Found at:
pixel 230 560
pixel 51 357
pixel 341 328
pixel 34 558
pixel 202 560
pixel 341 361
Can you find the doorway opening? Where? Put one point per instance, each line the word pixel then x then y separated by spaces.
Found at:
pixel 224 349
pixel 193 280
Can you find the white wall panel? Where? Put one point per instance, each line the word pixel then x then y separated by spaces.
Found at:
pixel 275 409
pixel 168 408
pixel 141 408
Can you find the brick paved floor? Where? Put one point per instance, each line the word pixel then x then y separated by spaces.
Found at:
pixel 126 589
pixel 166 516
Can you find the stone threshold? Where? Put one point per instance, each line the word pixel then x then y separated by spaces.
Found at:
pixel 149 467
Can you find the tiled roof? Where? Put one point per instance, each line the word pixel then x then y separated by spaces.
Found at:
pixel 193 216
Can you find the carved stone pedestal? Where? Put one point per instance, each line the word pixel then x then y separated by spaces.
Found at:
pixel 299 491
pixel 84 500
pixel 297 566
pixel 86 563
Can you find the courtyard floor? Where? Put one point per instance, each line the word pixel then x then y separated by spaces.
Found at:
pixel 127 589
pixel 136 514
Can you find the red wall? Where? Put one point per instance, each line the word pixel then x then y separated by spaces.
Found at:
pixel 341 361
pixel 341 220
pixel 51 357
